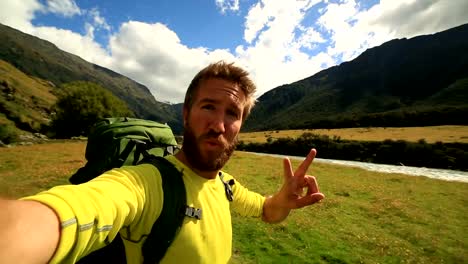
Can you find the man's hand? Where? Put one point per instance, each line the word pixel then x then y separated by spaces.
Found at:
pixel 292 195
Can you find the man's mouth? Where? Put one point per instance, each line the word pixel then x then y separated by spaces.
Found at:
pixel 213 143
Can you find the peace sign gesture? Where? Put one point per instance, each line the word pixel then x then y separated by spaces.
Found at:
pixel 295 182
pixel 291 195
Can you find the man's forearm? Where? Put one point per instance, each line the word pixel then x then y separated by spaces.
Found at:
pixel 274 210
pixel 29 232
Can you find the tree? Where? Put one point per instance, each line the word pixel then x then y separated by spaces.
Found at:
pixel 81 104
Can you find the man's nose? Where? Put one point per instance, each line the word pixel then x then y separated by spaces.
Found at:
pixel 217 123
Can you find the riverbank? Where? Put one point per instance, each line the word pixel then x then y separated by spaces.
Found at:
pixel 441 174
pixel 440 155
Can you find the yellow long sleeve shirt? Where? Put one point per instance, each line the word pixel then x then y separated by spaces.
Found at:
pixel 129 200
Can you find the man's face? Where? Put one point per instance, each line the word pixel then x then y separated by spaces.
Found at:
pixel 212 124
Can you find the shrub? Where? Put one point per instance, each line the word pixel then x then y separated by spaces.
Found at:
pixel 81 104
pixel 8 134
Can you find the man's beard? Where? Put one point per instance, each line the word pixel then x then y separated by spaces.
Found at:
pixel 193 154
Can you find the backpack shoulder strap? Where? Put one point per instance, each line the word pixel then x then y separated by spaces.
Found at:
pixel 165 228
pixel 170 220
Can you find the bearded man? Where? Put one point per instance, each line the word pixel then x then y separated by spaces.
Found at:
pixel 66 223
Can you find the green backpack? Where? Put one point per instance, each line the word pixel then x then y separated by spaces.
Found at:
pixel 115 142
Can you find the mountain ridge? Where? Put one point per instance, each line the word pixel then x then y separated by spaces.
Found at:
pixel 401 74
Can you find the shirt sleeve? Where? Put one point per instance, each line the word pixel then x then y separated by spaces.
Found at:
pixel 91 214
pixel 246 202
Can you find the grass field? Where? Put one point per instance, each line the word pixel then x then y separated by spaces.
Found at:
pixel 366 217
pixel 413 134
pixel 25 170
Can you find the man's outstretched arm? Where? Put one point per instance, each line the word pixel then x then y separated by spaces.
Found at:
pixel 29 232
pixel 277 207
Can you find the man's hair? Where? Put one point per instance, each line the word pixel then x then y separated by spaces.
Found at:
pixel 227 72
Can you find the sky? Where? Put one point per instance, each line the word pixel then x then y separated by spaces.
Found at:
pixel 163 44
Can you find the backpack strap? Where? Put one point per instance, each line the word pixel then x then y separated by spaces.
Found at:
pixel 170 220
pixel 124 154
pixel 165 228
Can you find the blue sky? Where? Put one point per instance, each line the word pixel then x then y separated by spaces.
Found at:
pixel 163 44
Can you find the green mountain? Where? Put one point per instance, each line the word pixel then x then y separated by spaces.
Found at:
pixel 42 59
pixel 404 82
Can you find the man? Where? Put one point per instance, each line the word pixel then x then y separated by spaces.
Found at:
pixel 68 222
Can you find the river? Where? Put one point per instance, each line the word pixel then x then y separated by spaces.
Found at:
pixel 441 174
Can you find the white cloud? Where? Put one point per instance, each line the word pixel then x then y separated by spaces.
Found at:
pixel 282 43
pixel 74 43
pixel 353 30
pixel 256 21
pixel 97 20
pixel 227 5
pixel 95 23
pixel 66 8
pixel 309 38
pixel 337 19
pixel 18 14
pixel 153 55
pixel 276 37
pixel 411 18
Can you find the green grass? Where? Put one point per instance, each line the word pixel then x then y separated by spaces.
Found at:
pixel 25 170
pixel 366 217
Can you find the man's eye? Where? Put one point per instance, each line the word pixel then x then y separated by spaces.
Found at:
pixel 208 107
pixel 233 113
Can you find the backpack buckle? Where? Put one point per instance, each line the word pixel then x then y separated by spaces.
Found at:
pixel 193 212
pixel 227 187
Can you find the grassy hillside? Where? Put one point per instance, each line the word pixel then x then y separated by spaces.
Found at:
pixel 366 217
pixel 40 58
pixel 24 100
